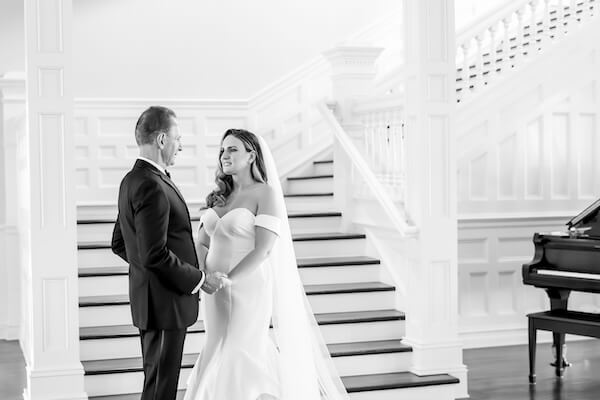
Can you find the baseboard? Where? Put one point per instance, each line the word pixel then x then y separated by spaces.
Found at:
pixel 509 337
pixel 9 332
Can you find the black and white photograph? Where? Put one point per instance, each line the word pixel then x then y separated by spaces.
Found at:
pixel 299 200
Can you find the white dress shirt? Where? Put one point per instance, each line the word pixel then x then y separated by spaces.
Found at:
pixel 164 171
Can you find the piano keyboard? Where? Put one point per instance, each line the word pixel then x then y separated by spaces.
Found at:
pixel 569 274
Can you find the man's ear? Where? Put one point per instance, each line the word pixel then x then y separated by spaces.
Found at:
pixel 160 140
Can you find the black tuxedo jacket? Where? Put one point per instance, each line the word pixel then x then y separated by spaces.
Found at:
pixel 153 233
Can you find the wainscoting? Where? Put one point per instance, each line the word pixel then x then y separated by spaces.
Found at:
pixel 493 301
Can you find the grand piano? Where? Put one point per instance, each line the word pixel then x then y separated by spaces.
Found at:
pixel 564 262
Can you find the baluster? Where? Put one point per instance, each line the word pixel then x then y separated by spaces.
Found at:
pixel 365 122
pixel 506 63
pixel 493 55
pixel 573 17
pixel 548 34
pixel 519 38
pixel 372 149
pixel 461 84
pixel 533 27
pixel 588 9
pixel 386 142
pixel 465 68
pixel 381 122
pixel 559 31
pixel 478 64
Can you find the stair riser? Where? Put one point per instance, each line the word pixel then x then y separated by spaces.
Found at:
pixel 119 284
pixel 346 366
pixel 310 203
pixel 91 212
pixel 322 169
pixel 102 232
pixel 128 382
pixel 302 186
pixel 437 392
pixel 327 303
pixel 363 332
pixel 330 248
pixel 348 302
pixel 343 274
pixel 310 248
pixel 315 225
pixel 111 348
pixel 98 258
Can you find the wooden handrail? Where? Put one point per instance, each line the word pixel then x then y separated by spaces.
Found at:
pixel 364 170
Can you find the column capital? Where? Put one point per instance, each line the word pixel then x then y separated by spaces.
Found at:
pixel 353 60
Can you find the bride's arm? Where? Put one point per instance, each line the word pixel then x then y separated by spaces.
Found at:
pixel 202 246
pixel 264 238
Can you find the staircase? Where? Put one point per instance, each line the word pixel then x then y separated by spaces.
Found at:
pixel 511 37
pixel 355 311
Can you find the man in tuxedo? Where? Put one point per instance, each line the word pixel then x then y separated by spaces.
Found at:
pixel 153 233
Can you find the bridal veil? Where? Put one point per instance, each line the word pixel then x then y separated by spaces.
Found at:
pixel 307 371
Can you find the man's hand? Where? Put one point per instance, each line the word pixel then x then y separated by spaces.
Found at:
pixel 214 281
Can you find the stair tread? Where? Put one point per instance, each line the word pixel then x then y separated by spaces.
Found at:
pixel 306 177
pixel 115 331
pixel 323 162
pixel 335 261
pixel 325 194
pixel 395 380
pixel 327 236
pixel 353 384
pixel 307 262
pixel 335 288
pixel 93 245
pixel 291 214
pixel 132 364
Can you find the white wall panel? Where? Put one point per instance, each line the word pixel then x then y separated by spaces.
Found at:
pixel 533 159
pixel 106 147
pixel 559 163
pixel 493 300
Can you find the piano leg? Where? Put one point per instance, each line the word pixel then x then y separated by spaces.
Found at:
pixel 559 299
pixel 532 347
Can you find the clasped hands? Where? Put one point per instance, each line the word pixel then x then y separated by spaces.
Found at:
pixel 215 281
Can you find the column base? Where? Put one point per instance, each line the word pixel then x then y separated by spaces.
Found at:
pixel 440 358
pixel 55 384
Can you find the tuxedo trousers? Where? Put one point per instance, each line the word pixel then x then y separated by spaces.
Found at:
pixel 162 351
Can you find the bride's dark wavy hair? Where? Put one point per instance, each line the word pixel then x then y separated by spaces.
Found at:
pixel 218 197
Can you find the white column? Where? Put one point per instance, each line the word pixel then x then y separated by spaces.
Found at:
pixel 12 124
pixel 47 214
pixel 432 313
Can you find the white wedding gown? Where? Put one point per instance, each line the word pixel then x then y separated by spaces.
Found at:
pixel 239 360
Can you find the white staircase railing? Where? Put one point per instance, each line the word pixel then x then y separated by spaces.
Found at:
pixel 383 141
pixel 364 178
pixel 502 40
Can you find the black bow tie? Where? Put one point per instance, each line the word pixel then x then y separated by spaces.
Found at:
pixel 168 174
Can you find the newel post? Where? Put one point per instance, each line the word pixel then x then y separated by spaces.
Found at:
pixel 352 74
pixel 432 314
pixel 47 207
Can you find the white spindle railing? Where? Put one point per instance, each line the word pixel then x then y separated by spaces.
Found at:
pixel 382 142
pixel 362 174
pixel 501 40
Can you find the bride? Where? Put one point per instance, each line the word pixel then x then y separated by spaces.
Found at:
pixel 245 234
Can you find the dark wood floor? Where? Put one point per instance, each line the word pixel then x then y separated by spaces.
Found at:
pixel 494 374
pixel 12 371
pixel 502 373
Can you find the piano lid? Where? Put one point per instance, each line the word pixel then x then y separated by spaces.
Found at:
pixel 589 215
